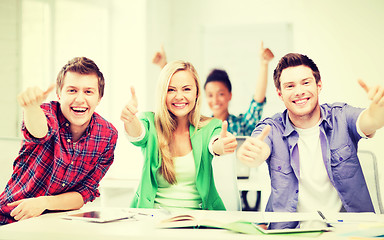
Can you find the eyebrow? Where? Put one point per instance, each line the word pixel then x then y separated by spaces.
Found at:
pixel 293 82
pixel 84 88
pixel 188 85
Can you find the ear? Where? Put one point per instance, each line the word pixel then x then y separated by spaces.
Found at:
pixel 319 86
pixel 230 96
pixel 278 91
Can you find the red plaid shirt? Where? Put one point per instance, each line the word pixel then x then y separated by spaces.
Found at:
pixel 54 164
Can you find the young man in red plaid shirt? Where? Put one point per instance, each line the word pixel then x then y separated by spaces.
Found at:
pixel 67 147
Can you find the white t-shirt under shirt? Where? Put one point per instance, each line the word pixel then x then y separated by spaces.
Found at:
pixel 316 191
pixel 184 193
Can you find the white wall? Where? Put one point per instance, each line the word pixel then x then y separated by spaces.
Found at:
pixel 9 65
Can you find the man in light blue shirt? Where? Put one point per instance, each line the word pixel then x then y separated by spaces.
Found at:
pixel 311 149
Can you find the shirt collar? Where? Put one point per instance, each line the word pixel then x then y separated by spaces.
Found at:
pixel 64 123
pixel 289 128
pixel 326 115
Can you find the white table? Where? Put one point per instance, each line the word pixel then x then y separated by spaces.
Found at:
pixel 52 226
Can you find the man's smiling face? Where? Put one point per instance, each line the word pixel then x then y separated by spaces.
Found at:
pixel 78 99
pixel 299 92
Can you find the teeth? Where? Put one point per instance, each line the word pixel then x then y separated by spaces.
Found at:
pixel 79 109
pixel 301 101
pixel 179 104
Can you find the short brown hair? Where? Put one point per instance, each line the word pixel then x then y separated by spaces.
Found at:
pixel 81 65
pixel 293 60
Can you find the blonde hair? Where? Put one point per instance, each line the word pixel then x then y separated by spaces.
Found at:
pixel 165 121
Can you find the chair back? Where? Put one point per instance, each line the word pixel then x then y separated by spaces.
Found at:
pixel 225 177
pixel 368 163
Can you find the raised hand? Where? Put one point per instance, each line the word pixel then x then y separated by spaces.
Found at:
pixel 34 96
pixel 229 141
pixel 130 110
pixel 373 118
pixel 34 117
pixel 266 54
pixel 375 94
pixel 159 58
pixel 128 116
pixel 254 150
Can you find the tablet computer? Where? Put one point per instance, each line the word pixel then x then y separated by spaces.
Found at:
pixel 100 216
pixel 293 226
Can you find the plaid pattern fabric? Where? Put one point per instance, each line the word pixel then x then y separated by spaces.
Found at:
pixel 53 165
pixel 244 124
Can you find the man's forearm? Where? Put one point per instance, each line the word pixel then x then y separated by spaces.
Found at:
pixel 35 121
pixel 372 119
pixel 65 201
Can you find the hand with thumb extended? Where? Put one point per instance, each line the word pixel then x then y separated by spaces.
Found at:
pixel 375 94
pixel 34 96
pixel 227 141
pixel 254 150
pixel 159 58
pixel 266 54
pixel 130 110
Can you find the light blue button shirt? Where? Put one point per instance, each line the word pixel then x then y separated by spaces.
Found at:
pixel 338 137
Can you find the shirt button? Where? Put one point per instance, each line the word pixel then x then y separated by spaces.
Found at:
pixel 279 168
pixel 63 184
pixel 290 146
pixel 72 163
pixel 297 191
pixel 68 140
pixel 67 124
pixel 340 158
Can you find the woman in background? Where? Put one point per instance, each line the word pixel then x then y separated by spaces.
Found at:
pixel 178 144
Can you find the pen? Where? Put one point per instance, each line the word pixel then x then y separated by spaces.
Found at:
pixel 324 218
pixel 321 215
pixel 145 214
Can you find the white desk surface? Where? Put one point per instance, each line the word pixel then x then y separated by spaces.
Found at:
pixel 52 226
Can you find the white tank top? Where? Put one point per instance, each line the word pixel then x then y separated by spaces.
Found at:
pixel 184 193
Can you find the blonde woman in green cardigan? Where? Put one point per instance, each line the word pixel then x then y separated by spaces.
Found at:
pixel 178 144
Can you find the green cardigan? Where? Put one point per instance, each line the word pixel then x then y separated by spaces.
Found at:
pixel 146 192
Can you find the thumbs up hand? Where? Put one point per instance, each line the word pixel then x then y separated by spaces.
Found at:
pixel 375 94
pixel 373 118
pixel 131 123
pixel 226 143
pixel 254 150
pixel 130 110
pixel 266 54
pixel 34 96
pixel 159 58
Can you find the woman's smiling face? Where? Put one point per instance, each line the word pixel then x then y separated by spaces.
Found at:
pixel 182 94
